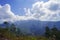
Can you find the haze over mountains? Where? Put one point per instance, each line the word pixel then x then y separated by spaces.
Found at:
pixel 34 26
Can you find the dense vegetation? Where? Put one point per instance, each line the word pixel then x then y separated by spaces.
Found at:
pixel 10 32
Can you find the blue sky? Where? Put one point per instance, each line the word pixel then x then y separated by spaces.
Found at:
pixel 18 5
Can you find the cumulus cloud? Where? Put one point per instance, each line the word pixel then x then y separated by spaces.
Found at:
pixel 7 15
pixel 46 11
pixel 43 11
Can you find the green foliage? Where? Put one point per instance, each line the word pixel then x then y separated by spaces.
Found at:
pixel 6 34
pixel 6 25
pixel 13 33
pixel 18 32
pixel 52 33
pixel 11 36
pixel 58 35
pixel 47 32
pixel 13 28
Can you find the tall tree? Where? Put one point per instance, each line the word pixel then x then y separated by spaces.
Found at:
pixel 54 30
pixel 47 32
pixel 18 32
pixel 13 28
pixel 58 35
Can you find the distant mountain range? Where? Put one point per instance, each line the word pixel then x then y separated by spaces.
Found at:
pixel 34 26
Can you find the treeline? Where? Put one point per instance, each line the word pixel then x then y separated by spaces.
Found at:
pixel 11 31
pixel 53 33
pixel 10 28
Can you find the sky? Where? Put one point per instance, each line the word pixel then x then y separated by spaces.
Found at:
pixel 17 6
pixel 16 10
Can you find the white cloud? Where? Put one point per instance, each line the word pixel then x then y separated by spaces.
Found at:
pixel 46 11
pixel 5 12
pixel 43 11
pixel 7 15
pixel 27 11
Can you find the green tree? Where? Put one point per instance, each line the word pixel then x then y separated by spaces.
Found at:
pixel 13 28
pixel 54 30
pixel 58 35
pixel 47 32
pixel 18 32
pixel 6 25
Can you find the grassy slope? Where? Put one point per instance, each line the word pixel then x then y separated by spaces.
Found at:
pixel 8 35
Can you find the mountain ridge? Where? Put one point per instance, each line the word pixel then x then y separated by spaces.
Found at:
pixel 36 26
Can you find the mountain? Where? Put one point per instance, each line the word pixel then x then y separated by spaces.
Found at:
pixel 2 25
pixel 34 27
